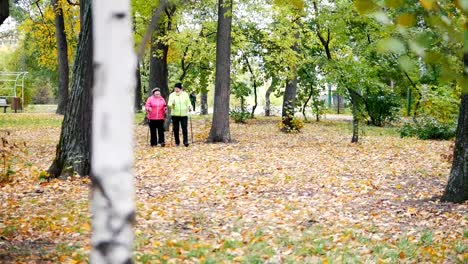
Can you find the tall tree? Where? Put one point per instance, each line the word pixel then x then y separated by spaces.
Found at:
pixel 457 186
pixel 289 98
pixel 4 10
pixel 158 56
pixel 220 125
pixel 74 148
pixel 435 14
pixel 112 204
pixel 62 56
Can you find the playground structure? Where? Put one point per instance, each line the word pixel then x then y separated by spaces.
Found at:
pixel 11 91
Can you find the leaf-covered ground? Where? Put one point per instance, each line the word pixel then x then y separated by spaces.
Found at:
pixel 311 197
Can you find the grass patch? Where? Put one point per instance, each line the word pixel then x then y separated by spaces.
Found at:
pixel 25 120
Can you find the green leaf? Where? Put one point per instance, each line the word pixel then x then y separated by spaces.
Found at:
pixel 365 6
pixel 394 3
pixel 433 57
pixel 428 4
pixel 417 48
pixel 462 4
pixel 391 45
pixel 406 63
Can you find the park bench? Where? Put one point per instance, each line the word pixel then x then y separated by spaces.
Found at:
pixel 3 103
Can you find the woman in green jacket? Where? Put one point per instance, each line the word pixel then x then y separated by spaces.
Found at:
pixel 179 103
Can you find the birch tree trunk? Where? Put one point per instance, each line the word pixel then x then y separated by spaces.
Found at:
pixel 112 203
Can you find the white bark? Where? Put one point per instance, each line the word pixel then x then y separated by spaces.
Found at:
pixel 112 203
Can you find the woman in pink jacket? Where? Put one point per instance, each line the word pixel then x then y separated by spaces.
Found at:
pixel 156 109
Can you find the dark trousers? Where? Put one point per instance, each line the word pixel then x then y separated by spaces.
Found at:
pixel 183 122
pixel 193 105
pixel 159 126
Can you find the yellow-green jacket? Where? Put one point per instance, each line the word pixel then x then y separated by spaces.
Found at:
pixel 179 104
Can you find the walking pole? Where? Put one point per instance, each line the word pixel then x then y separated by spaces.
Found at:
pixel 171 132
pixel 191 129
pixel 147 132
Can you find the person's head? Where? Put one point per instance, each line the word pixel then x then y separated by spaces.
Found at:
pixel 156 92
pixel 178 87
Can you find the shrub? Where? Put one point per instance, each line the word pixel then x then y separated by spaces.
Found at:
pixel 382 107
pixel 428 128
pixel 442 103
pixel 239 115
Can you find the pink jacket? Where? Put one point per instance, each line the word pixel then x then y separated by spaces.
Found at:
pixel 156 107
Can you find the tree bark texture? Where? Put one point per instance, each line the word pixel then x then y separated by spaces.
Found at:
pixel 289 102
pixel 62 54
pixel 4 10
pixel 158 61
pixel 204 103
pixel 158 65
pixel 457 186
pixel 158 57
pixel 74 148
pixel 220 125
pixel 112 205
pixel 138 90
pixel 290 93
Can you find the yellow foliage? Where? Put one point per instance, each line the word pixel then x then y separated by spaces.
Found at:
pixel 39 39
pixel 428 4
pixel 406 20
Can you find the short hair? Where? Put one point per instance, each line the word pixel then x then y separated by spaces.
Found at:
pixel 155 90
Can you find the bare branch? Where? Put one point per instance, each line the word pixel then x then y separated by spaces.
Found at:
pixel 151 27
pixel 73 4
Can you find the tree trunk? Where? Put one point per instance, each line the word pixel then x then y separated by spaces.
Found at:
pixel 254 81
pixel 289 102
pixel 457 186
pixel 4 10
pixel 204 102
pixel 158 65
pixel 138 90
pixel 255 99
pixel 338 99
pixel 311 91
pixel 355 102
pixel 112 205
pixel 289 99
pixel 158 62
pixel 220 125
pixel 62 54
pixel 73 150
pixel 267 96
